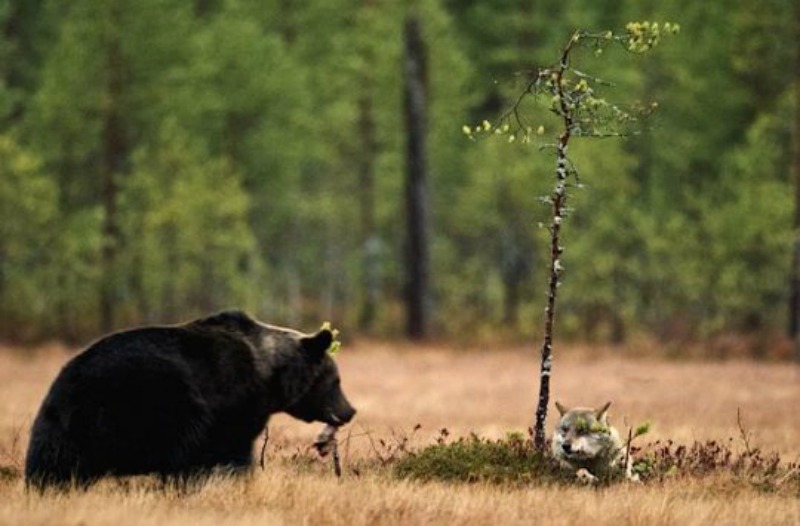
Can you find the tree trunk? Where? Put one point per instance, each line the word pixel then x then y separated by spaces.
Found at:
pixel 415 95
pixel 515 265
pixel 511 299
pixel 366 188
pixel 559 202
pixel 794 296
pixel 202 8
pixel 112 160
pixel 287 22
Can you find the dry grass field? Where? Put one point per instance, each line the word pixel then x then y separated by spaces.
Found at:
pixel 486 392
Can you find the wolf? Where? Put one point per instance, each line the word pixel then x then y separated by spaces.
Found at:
pixel 584 441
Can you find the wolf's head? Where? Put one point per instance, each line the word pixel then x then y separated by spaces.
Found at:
pixel 584 438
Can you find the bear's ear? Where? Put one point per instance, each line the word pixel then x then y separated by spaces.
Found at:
pixel 318 344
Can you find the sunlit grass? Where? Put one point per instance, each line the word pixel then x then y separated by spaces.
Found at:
pixel 486 392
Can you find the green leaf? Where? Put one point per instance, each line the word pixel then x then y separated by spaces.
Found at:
pixel 336 345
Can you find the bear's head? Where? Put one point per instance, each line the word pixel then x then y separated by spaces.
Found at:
pixel 324 401
pixel 296 368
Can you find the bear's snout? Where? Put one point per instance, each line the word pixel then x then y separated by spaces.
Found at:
pixel 347 414
pixel 341 413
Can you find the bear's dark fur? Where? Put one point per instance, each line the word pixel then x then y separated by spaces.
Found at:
pixel 179 400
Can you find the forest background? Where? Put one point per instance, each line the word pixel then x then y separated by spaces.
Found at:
pixel 160 159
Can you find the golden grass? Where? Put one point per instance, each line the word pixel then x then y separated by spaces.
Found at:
pixel 285 496
pixel 490 393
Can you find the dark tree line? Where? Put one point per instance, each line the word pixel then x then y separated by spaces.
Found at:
pixel 160 159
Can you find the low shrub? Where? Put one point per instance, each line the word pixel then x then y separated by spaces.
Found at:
pixel 511 460
pixel 659 461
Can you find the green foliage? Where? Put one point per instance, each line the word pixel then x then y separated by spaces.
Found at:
pixel 748 223
pixel 477 460
pixel 28 214
pixel 641 429
pixel 272 112
pixel 644 36
pixel 336 345
pixel 184 221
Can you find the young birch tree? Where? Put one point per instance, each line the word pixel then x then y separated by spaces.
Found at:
pixel 573 96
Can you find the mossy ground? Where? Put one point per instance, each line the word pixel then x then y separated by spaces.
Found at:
pixel 513 461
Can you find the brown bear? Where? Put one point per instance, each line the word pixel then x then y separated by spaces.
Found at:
pixel 178 401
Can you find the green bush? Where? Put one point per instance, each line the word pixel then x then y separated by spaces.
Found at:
pixel 511 460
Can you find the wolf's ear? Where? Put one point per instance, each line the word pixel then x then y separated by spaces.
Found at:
pixel 561 408
pixel 318 344
pixel 602 413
